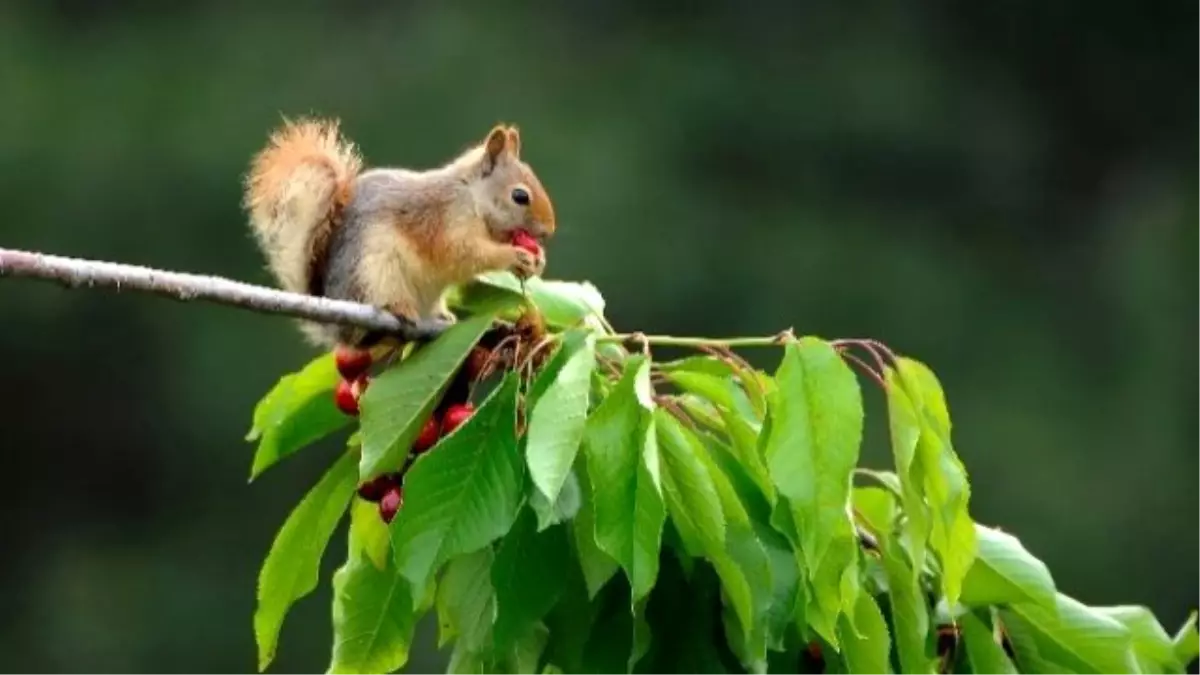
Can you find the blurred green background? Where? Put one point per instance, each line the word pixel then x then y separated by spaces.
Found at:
pixel 1006 191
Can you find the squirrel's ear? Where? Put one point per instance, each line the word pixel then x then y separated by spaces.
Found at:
pixel 494 147
pixel 514 141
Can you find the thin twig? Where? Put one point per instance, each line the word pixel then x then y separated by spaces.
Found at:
pixel 872 347
pixel 888 354
pixel 747 371
pixel 613 368
pixel 639 336
pixel 545 342
pixel 494 358
pixel 866 346
pixel 672 407
pixel 866 368
pixel 76 272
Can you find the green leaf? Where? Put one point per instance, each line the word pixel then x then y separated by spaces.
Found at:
pixel 833 591
pixel 737 416
pixel 466 602
pixel 291 568
pixel 683 610
pixel 747 567
pixel 751 397
pixel 952 534
pixel 812 446
pixel 865 641
pixel 529 574
pixel 1028 654
pixel 465 662
pixel 985 654
pixel 886 479
pixel 373 618
pixel 570 622
pixel 564 304
pixel 720 404
pixel 721 458
pixel 563 509
pixel 1005 572
pixel 760 596
pixel 558 420
pixel 909 611
pixel 760 577
pixel 744 436
pixel 780 611
pixel 905 430
pixel 737 555
pixel 1187 641
pixel 876 506
pixel 707 365
pixel 703 411
pixel 1070 637
pixel 297 412
pixel 814 439
pixel 400 399
pixel 907 606
pixel 369 535
pixel 611 642
pixel 691 497
pixel 596 565
pixel 525 654
pixel 782 525
pixel 623 464
pixel 1152 646
pixel 722 391
pixel 642 636
pixel 464 493
pixel 747 576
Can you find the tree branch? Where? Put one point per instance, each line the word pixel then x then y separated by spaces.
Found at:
pixel 75 272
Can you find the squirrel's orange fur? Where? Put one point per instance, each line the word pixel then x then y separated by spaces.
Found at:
pixel 394 238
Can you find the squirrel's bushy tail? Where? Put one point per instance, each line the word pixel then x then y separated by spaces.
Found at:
pixel 296 190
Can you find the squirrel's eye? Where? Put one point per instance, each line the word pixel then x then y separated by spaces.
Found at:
pixel 520 196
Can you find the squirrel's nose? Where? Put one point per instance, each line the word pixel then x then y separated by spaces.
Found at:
pixel 542 215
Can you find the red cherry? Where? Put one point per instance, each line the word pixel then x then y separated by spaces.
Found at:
pixel 524 240
pixel 391 502
pixel 351 362
pixel 428 436
pixel 374 489
pixel 345 398
pixel 455 416
pixel 359 385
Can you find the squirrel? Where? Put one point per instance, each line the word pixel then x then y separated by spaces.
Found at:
pixel 394 238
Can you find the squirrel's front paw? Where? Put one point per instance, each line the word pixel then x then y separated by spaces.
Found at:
pixel 527 264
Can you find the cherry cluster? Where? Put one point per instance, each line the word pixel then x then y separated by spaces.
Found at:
pixel 353 365
pixel 455 408
pixel 388 489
